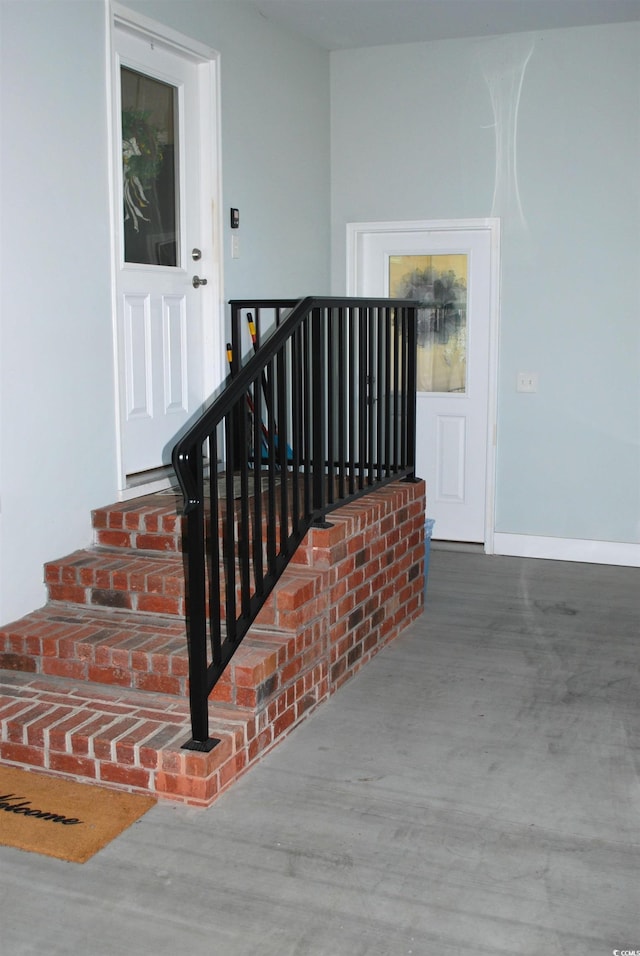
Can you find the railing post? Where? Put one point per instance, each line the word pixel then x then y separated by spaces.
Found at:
pixel 318 372
pixel 195 588
pixel 411 396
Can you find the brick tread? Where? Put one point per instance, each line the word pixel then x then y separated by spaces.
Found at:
pixel 128 580
pixel 147 652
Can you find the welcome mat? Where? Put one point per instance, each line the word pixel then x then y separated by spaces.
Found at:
pixel 62 818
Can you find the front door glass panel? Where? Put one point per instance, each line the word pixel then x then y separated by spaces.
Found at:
pixel 439 283
pixel 150 169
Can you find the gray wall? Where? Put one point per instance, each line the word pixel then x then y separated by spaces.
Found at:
pixel 57 412
pixel 427 131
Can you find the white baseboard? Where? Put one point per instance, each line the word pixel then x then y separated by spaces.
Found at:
pixel 567 549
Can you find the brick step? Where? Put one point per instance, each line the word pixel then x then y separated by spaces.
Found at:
pixel 151 523
pixel 149 652
pixel 135 582
pixel 132 740
pixel 146 583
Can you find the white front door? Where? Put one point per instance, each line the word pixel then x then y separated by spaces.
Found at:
pixel 452 271
pixel 166 275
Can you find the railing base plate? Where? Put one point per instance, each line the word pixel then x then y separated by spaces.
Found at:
pixel 202 746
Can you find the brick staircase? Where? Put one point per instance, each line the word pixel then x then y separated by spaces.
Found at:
pixel 94 684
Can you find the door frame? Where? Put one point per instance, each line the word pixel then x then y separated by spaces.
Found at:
pixel 357 231
pixel 208 62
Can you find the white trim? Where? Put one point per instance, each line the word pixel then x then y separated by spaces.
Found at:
pixel 567 549
pixel 164 36
pixel 150 488
pixel 492 225
pixel 208 63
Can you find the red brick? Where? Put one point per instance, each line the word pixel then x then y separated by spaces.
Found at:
pixel 260 743
pixel 179 665
pixel 231 769
pixel 17 662
pixel 67 592
pixel 99 518
pixel 134 777
pixel 114 539
pixel 155 542
pixel 127 747
pixel 37 731
pixel 72 764
pixel 282 724
pixel 21 753
pixel 223 692
pixel 198 791
pixel 165 736
pixel 104 742
pixel 81 738
pixel 158 604
pixel 158 683
pixel 77 670
pixel 109 675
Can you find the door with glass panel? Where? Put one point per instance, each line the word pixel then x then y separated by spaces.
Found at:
pixel 164 267
pixel 449 273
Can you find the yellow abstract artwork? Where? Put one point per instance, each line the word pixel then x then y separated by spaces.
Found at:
pixel 439 283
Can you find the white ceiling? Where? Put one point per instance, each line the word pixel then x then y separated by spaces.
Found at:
pixel 345 24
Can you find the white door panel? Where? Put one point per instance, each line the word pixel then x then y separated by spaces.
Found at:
pixel 162 224
pixel 454 356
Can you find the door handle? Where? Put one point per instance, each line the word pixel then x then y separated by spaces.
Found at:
pixel 198 281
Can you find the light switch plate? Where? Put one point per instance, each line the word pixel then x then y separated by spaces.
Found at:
pixel 527 382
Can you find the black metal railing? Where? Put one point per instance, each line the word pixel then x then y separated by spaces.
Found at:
pixel 321 413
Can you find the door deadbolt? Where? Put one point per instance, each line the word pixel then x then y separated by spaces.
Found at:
pixel 198 281
pixel 196 254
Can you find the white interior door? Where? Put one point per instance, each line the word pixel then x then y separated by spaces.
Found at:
pixel 450 270
pixel 166 276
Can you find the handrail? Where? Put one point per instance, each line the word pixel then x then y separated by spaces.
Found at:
pixel 323 412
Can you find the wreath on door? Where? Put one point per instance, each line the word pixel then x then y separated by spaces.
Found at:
pixel 141 162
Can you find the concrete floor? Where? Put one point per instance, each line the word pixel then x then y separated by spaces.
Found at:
pixel 473 790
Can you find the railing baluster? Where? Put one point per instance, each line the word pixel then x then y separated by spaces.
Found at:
pixel 258 572
pixel 397 409
pixel 243 552
pixel 404 360
pixel 341 409
pixel 296 423
pixel 318 412
pixel 330 393
pixel 352 399
pixel 363 395
pixel 272 524
pixel 228 546
pixel 371 375
pixel 215 630
pixel 306 416
pixel 411 389
pixel 196 610
pixel 282 454
pixel 386 417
